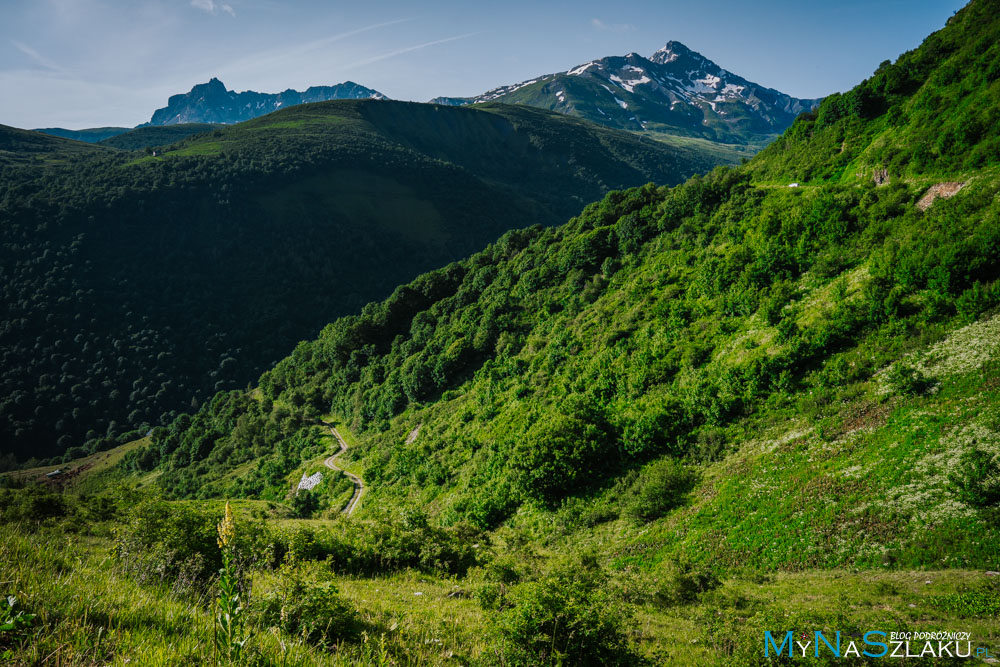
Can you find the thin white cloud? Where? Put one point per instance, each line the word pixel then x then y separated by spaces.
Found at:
pixel 397 52
pixel 280 57
pixel 611 27
pixel 211 7
pixel 37 57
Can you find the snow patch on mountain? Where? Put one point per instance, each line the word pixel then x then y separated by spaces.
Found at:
pixel 630 84
pixel 577 71
pixel 706 84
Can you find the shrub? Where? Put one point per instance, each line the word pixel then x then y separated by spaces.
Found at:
pixel 558 455
pixel 659 489
pixel 904 379
pixel 976 481
pixel 382 544
pixel 304 503
pixel 32 503
pixel 498 576
pixel 304 607
pixel 566 618
pixel 168 543
pixel 179 544
pixel 685 582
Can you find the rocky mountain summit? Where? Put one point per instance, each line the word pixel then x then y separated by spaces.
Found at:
pixel 212 103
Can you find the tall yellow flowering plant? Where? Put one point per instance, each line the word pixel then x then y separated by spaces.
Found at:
pixel 230 620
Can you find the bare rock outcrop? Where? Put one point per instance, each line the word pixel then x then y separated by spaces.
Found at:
pixel 943 190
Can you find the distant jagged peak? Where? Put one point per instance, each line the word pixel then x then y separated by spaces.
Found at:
pixel 212 102
pixel 671 51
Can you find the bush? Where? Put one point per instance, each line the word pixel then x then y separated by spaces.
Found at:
pixel 304 503
pixel 976 481
pixel 905 380
pixel 685 582
pixel 567 619
pixel 178 544
pixel 302 606
pixel 32 503
pixel 498 576
pixel 659 489
pixel 172 543
pixel 557 456
pixel 382 544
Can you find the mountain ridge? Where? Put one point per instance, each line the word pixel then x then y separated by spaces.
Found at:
pixel 212 102
pixel 91 135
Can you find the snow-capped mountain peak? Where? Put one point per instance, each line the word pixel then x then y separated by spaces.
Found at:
pixel 674 90
pixel 671 51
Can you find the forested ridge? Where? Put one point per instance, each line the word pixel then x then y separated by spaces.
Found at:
pixel 137 285
pixel 161 135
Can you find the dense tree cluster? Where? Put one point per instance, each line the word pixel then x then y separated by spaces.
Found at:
pixel 135 287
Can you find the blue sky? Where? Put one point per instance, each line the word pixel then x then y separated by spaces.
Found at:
pixel 89 63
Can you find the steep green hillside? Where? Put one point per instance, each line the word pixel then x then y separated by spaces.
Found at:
pixel 935 111
pixel 146 137
pixel 136 286
pixel 761 347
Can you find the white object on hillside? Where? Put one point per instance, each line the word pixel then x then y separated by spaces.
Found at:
pixel 793 185
pixel 309 482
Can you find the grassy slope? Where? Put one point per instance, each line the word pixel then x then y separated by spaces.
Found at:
pixel 79 470
pixel 98 615
pixel 725 153
pixel 22 147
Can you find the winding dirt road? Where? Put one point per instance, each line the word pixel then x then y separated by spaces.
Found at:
pixel 359 485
